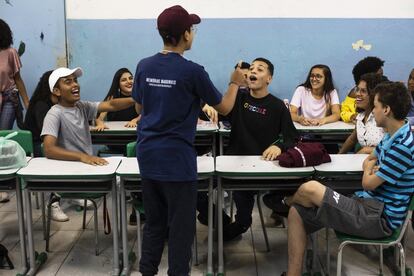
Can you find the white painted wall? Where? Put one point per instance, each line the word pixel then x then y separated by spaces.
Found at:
pixel 144 9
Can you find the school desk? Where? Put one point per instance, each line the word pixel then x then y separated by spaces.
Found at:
pixel 128 172
pixel 9 182
pixel 336 132
pixel 252 173
pixel 118 134
pixel 48 175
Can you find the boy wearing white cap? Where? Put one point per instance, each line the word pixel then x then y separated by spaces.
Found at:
pixel 65 132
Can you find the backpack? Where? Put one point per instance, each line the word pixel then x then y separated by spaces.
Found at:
pixel 12 155
pixel 303 155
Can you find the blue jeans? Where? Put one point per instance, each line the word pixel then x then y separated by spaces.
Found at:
pixel 8 109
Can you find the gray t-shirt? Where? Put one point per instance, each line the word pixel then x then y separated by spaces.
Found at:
pixel 70 125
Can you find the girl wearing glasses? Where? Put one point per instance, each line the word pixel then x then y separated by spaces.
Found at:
pixel 366 132
pixel 316 102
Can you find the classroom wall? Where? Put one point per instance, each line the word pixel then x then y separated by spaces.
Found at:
pixel 28 21
pixel 106 35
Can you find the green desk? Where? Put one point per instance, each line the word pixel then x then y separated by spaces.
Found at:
pixel 47 175
pixel 8 182
pixel 252 173
pixel 118 134
pixel 130 177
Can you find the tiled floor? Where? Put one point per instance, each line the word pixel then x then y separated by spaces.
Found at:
pixel 72 250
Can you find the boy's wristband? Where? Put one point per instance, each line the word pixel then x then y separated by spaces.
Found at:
pixel 233 82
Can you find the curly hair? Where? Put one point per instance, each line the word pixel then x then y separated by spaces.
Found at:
pixel 6 35
pixel 366 65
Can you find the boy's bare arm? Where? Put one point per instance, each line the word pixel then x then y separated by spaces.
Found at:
pixel 115 104
pixel 53 151
pixel 370 181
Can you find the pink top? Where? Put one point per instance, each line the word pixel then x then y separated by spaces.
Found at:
pixel 310 107
pixel 9 65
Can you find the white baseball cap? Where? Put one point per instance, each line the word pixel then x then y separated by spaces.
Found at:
pixel 63 72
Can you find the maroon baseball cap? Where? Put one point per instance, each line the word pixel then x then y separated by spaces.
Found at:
pixel 175 20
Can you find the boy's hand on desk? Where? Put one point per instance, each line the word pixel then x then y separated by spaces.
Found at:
pixel 271 153
pixel 100 125
pixel 93 160
pixel 133 123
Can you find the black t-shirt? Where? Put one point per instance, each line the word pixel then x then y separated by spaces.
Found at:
pixel 122 115
pixel 34 118
pixel 258 123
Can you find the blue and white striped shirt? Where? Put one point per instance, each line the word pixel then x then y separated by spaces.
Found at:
pixel 396 166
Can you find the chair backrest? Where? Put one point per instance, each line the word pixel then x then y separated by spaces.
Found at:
pixel 411 206
pixel 131 152
pixel 23 137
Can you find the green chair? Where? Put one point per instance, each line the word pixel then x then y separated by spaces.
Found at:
pixel 394 240
pixel 23 137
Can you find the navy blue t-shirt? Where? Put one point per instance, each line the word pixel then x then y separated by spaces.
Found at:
pixel 170 89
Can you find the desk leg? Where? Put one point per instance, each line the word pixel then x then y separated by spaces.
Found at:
pixel 214 148
pixel 22 233
pixel 219 216
pixel 115 233
pixel 29 223
pixel 210 229
pixel 124 233
pixel 221 144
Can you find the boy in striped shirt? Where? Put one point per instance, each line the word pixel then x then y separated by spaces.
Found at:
pixel 388 183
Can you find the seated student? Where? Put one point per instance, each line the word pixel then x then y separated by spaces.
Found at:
pixel 366 65
pixel 366 131
pixel 316 101
pixel 121 87
pixel 65 130
pixel 40 103
pixel 202 198
pixel 387 181
pixel 258 119
pixel 410 86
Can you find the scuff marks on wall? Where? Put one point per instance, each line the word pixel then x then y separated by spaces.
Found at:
pixel 22 48
pixel 61 61
pixel 42 36
pixel 8 2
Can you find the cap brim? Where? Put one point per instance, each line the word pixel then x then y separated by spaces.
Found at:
pixel 195 19
pixel 78 72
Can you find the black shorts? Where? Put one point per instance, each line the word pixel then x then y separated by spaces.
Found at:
pixel 362 217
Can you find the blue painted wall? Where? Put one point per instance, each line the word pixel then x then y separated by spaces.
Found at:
pixel 293 45
pixel 28 19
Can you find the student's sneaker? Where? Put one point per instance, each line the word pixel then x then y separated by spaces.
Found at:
pixel 203 218
pixel 233 231
pixel 4 197
pixel 81 202
pixel 57 213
